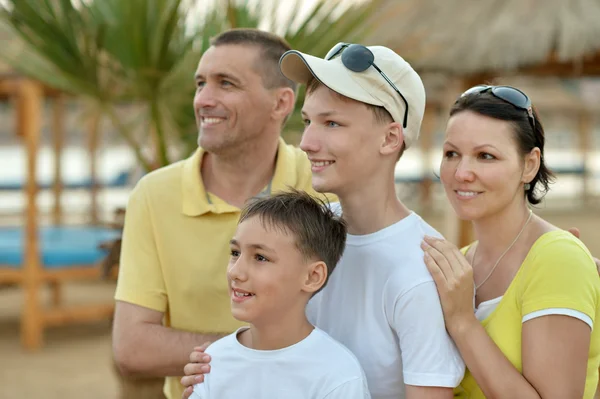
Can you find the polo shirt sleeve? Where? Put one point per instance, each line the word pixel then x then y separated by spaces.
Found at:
pixel 140 276
pixel 429 356
pixel 560 273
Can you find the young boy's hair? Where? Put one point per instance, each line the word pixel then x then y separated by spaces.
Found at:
pixel 318 232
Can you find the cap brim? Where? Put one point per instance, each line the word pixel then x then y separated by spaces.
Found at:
pixel 300 68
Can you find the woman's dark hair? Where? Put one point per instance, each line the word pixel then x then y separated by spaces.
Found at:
pixel 526 136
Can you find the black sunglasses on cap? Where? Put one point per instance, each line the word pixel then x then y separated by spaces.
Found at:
pixel 359 58
pixel 511 95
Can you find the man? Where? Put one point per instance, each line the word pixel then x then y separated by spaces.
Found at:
pixel 172 291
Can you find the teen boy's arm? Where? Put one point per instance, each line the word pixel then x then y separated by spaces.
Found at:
pixel 431 363
pixel 141 344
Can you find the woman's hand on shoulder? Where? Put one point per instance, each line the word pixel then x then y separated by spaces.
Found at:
pixel 453 276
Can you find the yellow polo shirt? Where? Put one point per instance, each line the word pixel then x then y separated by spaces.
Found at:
pixel 176 245
pixel 558 272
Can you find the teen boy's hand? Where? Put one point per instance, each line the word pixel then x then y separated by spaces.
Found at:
pixel 194 371
pixel 576 233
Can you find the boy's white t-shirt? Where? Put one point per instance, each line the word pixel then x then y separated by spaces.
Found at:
pixel 382 303
pixel 317 367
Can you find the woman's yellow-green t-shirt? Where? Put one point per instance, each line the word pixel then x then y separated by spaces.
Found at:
pixel 558 272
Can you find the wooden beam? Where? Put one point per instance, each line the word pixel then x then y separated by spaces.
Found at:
pixel 588 66
pixel 553 67
pixel 93 131
pixel 585 127
pixel 75 273
pixel 30 108
pixel 58 133
pixel 79 314
pixel 10 275
pixel 428 127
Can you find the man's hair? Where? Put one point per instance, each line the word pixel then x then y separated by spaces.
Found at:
pixel 380 114
pixel 318 232
pixel 271 48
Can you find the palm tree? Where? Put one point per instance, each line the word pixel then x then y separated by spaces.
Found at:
pixel 143 53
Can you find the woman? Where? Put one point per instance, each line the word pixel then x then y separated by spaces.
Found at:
pixel 536 329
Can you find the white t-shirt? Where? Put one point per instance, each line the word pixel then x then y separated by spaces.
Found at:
pixel 382 304
pixel 318 367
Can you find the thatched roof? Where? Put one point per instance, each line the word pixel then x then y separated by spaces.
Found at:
pixel 562 96
pixel 475 36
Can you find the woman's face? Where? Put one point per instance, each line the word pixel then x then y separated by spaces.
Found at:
pixel 482 170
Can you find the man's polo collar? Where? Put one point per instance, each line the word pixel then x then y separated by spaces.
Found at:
pixel 194 196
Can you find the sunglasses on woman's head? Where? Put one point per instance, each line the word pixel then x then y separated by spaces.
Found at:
pixel 509 94
pixel 359 58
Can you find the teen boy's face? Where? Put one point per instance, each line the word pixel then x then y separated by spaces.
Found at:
pixel 266 274
pixel 342 140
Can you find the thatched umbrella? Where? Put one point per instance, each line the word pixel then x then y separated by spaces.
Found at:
pixel 468 37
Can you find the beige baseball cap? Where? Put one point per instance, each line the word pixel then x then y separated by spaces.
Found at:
pixel 368 86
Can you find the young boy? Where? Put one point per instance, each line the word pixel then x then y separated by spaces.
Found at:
pixel 283 252
pixel 363 109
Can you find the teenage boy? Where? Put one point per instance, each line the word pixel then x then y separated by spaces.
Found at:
pixel 283 252
pixel 363 109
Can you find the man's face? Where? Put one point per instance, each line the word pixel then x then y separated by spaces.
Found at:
pixel 266 274
pixel 342 140
pixel 231 104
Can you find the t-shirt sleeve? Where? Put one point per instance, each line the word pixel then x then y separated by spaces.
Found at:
pixel 561 274
pixel 140 276
pixel 353 389
pixel 429 356
pixel 200 392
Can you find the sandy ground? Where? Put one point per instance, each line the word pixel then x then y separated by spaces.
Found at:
pixel 76 360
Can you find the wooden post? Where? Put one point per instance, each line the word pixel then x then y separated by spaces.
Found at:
pixel 430 122
pixel 56 291
pixel 93 128
pixel 585 142
pixel 30 107
pixel 58 106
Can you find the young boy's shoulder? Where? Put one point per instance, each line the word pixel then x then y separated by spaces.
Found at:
pixel 228 342
pixel 317 366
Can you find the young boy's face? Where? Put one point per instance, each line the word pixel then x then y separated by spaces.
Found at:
pixel 266 273
pixel 342 139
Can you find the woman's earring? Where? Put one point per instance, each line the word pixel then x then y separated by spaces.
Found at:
pixel 527 186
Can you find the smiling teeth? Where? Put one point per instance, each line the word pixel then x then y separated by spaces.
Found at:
pixel 211 121
pixel 467 193
pixel 321 163
pixel 241 294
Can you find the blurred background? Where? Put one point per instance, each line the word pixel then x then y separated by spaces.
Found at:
pixel 95 93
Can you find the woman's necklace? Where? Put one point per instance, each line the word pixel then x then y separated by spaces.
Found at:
pixel 503 253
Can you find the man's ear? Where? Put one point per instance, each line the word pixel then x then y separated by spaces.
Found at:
pixel 531 165
pixel 316 275
pixel 393 140
pixel 285 99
